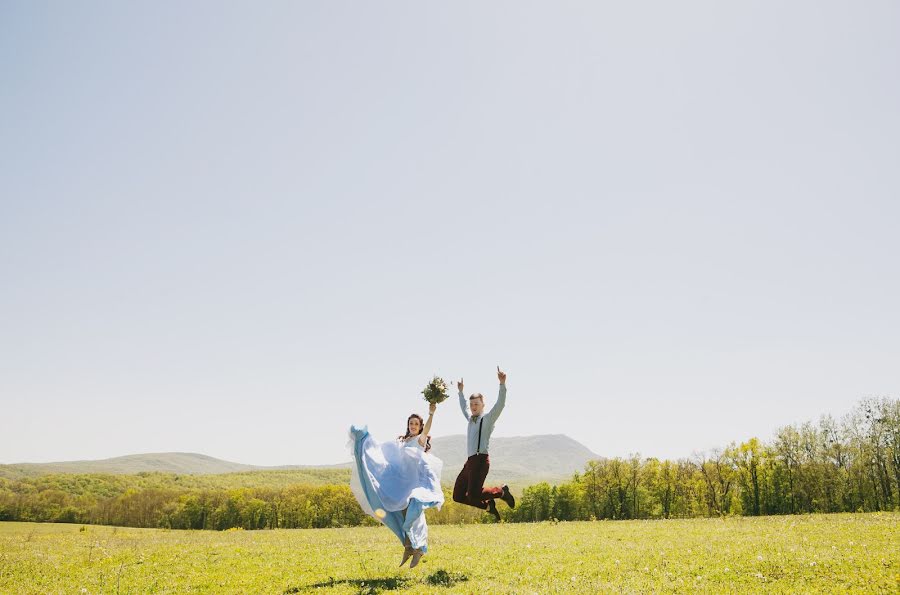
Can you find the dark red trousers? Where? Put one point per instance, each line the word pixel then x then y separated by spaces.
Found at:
pixel 469 487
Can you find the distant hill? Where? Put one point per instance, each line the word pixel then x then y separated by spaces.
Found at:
pixel 517 460
pixel 183 463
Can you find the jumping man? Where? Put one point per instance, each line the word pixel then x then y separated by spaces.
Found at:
pixel 469 488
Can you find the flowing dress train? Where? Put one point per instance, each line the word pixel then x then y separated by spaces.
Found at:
pixel 394 482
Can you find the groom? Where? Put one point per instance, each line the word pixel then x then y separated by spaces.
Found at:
pixel 469 488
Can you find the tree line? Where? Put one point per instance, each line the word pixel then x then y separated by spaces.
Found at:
pixel 828 466
pixel 851 465
pixel 292 507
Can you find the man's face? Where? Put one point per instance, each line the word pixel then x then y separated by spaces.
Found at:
pixel 476 405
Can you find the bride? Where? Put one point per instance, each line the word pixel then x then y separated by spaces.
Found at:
pixel 396 481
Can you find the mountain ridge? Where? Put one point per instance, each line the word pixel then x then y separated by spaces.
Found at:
pixel 513 459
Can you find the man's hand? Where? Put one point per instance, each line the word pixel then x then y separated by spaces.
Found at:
pixel 431 408
pixel 459 385
pixel 501 376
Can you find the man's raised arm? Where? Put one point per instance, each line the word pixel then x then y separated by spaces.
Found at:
pixel 494 413
pixel 462 399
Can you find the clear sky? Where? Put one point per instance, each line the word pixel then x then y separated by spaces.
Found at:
pixel 237 228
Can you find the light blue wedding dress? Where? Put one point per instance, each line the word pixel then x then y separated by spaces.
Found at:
pixel 390 477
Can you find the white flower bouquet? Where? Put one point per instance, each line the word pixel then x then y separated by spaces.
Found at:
pixel 436 391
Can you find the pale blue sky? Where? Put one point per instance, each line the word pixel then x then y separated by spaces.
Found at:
pixel 238 230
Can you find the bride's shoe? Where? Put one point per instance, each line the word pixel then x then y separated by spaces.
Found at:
pixel 417 555
pixel 407 552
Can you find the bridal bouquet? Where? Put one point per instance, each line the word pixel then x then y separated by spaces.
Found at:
pixel 436 391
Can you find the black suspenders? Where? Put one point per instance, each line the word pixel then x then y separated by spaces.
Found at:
pixel 480 421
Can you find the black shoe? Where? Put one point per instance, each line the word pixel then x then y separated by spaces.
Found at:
pixel 508 497
pixel 492 508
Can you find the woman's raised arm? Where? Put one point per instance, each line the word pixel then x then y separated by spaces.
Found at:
pixel 423 437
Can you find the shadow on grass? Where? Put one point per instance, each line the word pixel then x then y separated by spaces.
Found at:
pixel 365 586
pixel 442 578
pixel 374 586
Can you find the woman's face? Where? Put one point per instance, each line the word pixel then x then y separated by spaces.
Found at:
pixel 414 426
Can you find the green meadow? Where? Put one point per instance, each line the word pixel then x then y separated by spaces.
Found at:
pixel 787 554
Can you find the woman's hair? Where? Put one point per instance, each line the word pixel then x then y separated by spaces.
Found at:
pixel 428 443
pixel 421 425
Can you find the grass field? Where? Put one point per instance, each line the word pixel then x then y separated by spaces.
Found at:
pixel 819 553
